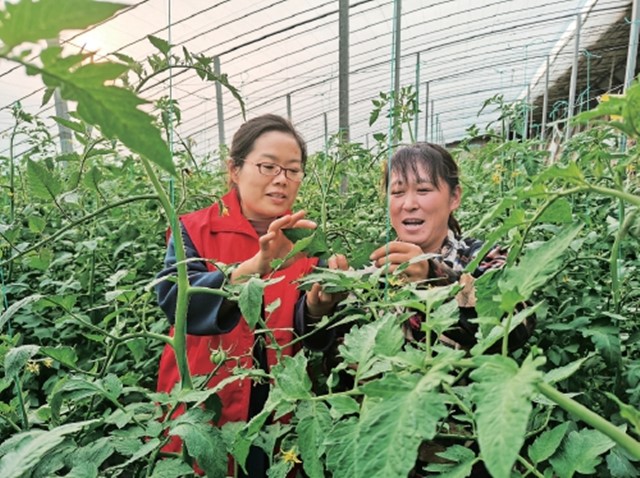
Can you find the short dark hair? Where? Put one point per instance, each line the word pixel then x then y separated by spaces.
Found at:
pixel 436 161
pixel 249 132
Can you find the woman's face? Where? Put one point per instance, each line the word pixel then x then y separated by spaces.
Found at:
pixel 420 211
pixel 266 197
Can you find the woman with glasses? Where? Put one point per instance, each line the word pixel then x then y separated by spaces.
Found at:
pixel 266 166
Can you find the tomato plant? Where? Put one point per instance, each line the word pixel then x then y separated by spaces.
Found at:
pixel 82 236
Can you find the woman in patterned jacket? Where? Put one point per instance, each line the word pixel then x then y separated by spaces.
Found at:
pixel 424 191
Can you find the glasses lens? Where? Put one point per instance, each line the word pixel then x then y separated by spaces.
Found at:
pixel 269 169
pixel 295 175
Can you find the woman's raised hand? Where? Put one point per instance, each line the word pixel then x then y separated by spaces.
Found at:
pixel 273 245
pixel 398 252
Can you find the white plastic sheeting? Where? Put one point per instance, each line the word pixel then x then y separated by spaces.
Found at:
pixel 469 52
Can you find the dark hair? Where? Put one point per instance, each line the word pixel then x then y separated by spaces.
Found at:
pixel 249 132
pixel 435 160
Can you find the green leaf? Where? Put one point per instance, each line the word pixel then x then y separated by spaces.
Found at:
pixel 96 452
pixel 547 443
pixel 382 337
pixel 115 110
pixel 64 354
pixel 17 358
pixel 297 233
pixel 536 267
pixel 496 333
pixel 461 458
pixel 607 342
pixel 85 469
pixel 433 297
pixel 313 425
pixel 144 448
pixel 42 183
pixel 171 468
pixel 502 394
pixel 291 379
pixel 30 447
pixel 37 224
pixel 76 389
pixel 270 436
pixel 398 414
pixel 119 418
pixel 515 219
pixel 48 94
pixel 279 469
pixel 312 242
pixel 245 435
pixel 564 372
pixel 360 256
pixel 342 405
pixel 620 466
pixel 374 116
pixel 29 21
pixel 558 212
pixel 40 259
pixel 203 441
pixel 570 172
pixel 580 453
pixel 162 45
pixel 270 308
pixel 72 125
pixel 250 301
pixel 138 348
pixel 16 306
pixel 343 450
pixel 112 386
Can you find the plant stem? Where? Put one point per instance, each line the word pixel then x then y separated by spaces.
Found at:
pixel 530 468
pixel 591 418
pixel 179 341
pixel 447 388
pixel 505 337
pixel 625 196
pixel 613 260
pixel 323 202
pixel 12 188
pixel 11 423
pixel 427 337
pixel 20 396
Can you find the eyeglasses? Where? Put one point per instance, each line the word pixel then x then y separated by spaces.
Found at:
pixel 272 169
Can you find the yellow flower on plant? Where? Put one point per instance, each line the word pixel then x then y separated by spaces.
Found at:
pixel 496 178
pixel 291 456
pixel 397 281
pixel 33 367
pixel 48 362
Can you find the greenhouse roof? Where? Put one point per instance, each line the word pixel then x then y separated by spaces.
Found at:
pixel 282 55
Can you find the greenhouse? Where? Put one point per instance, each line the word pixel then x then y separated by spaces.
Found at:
pixel 408 238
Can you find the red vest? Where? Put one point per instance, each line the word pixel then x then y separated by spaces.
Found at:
pixel 228 237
